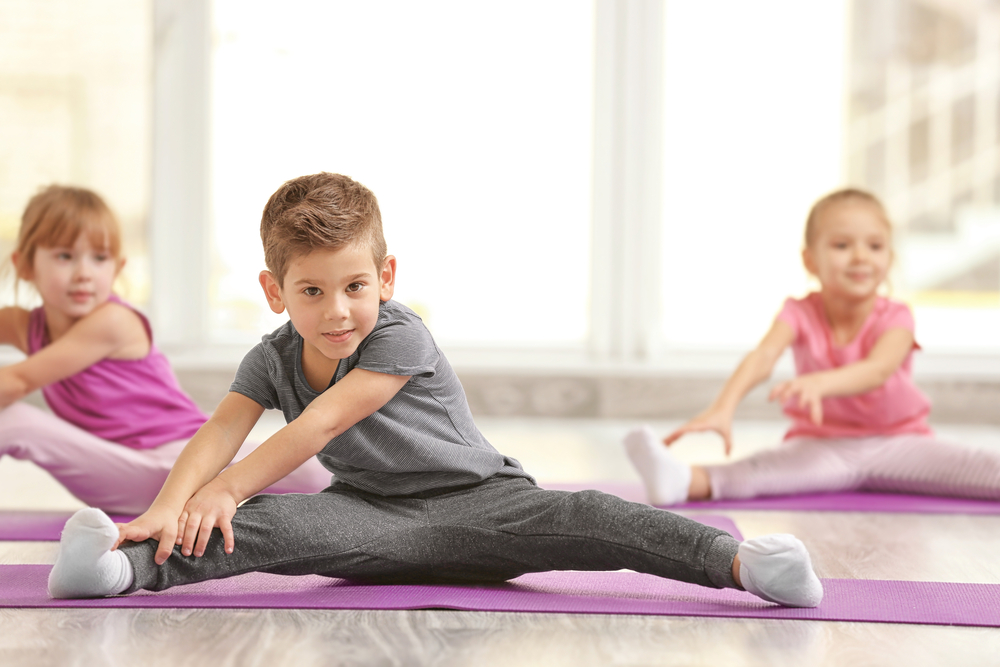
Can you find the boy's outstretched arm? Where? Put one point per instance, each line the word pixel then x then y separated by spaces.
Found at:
pixel 754 369
pixel 882 361
pixel 358 395
pixel 209 451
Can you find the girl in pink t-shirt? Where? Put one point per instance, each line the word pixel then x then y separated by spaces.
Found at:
pixel 858 420
pixel 120 418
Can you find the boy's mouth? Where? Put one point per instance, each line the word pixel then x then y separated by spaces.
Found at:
pixel 338 336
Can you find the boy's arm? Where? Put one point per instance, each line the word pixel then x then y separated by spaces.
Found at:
pixel 754 369
pixel 100 334
pixel 358 395
pixel 209 451
pixel 882 361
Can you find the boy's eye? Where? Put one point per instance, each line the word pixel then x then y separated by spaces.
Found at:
pixel 355 287
pixel 311 291
pixel 63 255
pixel 101 258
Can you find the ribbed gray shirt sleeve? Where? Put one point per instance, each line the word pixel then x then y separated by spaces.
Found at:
pixel 253 380
pixel 399 348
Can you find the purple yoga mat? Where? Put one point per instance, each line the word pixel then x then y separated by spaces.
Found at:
pixel 34 526
pixel 547 592
pixel 813 502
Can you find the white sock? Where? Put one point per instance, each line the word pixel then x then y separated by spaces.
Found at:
pixel 667 480
pixel 85 566
pixel 777 568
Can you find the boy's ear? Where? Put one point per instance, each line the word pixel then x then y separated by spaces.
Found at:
pixel 388 278
pixel 271 292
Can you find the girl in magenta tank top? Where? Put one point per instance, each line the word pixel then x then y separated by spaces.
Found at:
pixel 120 418
pixel 859 423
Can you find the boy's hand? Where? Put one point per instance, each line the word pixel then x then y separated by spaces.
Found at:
pixel 156 523
pixel 213 506
pixel 711 420
pixel 809 389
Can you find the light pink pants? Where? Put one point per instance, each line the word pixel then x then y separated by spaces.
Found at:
pixel 113 477
pixel 895 464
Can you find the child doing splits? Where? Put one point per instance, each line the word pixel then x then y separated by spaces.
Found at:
pixel 120 418
pixel 419 494
pixel 858 420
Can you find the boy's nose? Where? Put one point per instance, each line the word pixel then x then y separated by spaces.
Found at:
pixel 337 310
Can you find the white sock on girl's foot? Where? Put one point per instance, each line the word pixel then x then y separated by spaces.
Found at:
pixel 777 568
pixel 667 480
pixel 86 567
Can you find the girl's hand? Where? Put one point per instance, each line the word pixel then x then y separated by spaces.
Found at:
pixel 711 420
pixel 213 506
pixel 810 391
pixel 157 524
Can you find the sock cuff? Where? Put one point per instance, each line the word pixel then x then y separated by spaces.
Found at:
pixel 719 561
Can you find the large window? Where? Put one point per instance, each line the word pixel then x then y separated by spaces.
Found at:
pixel 75 110
pixel 470 121
pixel 753 133
pixel 769 106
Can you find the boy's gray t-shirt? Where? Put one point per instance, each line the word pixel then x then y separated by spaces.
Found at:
pixel 424 438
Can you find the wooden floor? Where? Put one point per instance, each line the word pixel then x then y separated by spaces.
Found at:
pixel 843 545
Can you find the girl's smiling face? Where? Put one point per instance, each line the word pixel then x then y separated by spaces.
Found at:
pixel 851 251
pixel 74 280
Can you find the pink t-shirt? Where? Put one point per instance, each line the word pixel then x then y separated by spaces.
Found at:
pixel 134 402
pixel 895 407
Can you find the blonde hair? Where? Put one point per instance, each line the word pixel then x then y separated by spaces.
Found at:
pixel 55 218
pixel 320 211
pixel 840 197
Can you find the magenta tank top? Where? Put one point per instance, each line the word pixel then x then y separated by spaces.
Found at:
pixel 134 402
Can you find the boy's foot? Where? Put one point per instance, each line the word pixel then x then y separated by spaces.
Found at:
pixel 667 480
pixel 85 566
pixel 778 569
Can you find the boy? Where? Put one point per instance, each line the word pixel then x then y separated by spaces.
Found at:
pixel 418 494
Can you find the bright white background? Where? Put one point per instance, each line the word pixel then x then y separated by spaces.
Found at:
pixel 471 122
pixel 753 135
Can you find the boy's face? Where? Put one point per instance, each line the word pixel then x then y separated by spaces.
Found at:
pixel 332 297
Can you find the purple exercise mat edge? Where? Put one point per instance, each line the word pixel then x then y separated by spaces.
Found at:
pixel 858 600
pixel 812 502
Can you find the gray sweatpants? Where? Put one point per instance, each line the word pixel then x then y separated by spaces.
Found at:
pixel 487 532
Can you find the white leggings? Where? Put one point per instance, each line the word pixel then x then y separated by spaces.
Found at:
pixel 113 477
pixel 896 464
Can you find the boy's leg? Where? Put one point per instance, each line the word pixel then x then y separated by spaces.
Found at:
pixel 925 465
pixel 506 527
pixel 802 465
pixel 490 532
pixel 103 474
pixel 338 533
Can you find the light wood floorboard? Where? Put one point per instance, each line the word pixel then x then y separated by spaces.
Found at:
pixel 843 545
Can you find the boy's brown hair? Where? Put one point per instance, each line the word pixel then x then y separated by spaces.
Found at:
pixel 56 216
pixel 839 197
pixel 320 211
